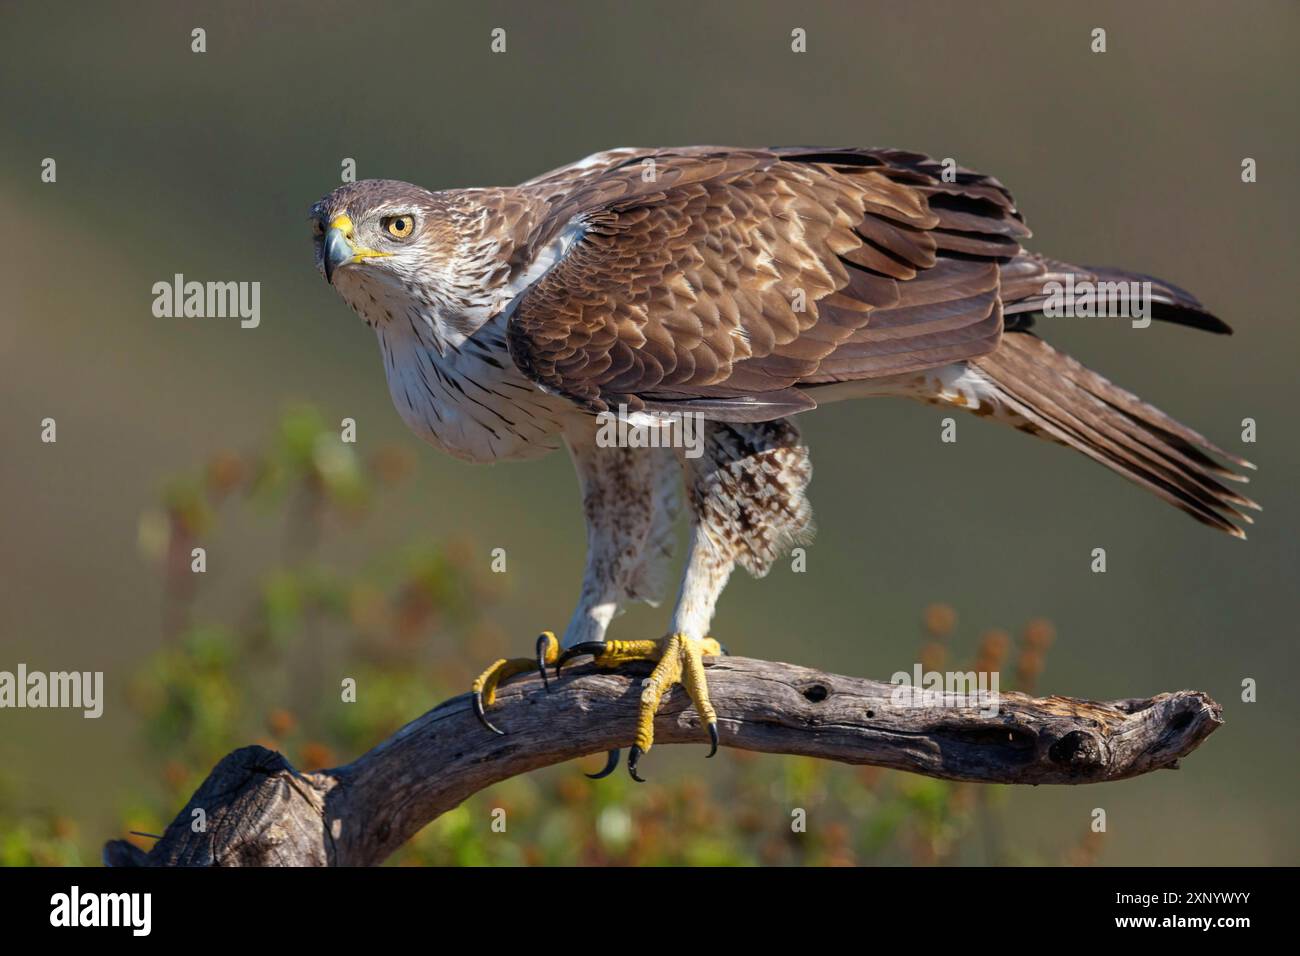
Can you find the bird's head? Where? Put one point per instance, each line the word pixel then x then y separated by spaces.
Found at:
pixel 442 260
pixel 379 232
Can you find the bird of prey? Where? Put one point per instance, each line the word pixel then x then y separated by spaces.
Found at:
pixel 741 287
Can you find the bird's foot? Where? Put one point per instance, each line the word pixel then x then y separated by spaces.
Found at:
pixel 485 687
pixel 679 660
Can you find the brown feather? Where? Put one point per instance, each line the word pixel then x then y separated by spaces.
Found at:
pixel 693 276
pixel 1052 395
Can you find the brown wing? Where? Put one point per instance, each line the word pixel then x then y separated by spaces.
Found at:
pixel 597 164
pixel 721 280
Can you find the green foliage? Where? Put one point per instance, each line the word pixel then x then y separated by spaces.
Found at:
pixel 32 838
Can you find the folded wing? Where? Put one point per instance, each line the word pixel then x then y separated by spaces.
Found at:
pixel 722 280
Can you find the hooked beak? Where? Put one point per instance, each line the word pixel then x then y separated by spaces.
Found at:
pixel 338 252
pixel 338 249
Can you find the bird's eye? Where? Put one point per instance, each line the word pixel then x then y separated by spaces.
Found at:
pixel 317 228
pixel 399 227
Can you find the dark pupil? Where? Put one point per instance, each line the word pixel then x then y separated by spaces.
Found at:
pixel 401 224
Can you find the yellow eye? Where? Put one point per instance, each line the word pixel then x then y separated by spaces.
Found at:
pixel 399 227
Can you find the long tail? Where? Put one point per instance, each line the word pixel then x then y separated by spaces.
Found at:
pixel 1050 394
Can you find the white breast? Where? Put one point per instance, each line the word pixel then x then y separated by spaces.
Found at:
pixel 449 371
pixel 472 402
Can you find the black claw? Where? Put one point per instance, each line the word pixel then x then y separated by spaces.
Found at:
pixel 482 716
pixel 542 644
pixel 633 756
pixel 611 764
pixel 594 648
pixel 713 736
pixel 725 652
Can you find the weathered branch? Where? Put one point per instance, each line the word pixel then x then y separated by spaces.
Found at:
pixel 261 812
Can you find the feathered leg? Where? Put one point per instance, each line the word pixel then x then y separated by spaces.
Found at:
pixel 629 500
pixel 747 505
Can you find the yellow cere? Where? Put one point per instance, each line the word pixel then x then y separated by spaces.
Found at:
pixel 343 224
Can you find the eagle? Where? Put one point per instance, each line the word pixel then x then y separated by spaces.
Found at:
pixel 734 288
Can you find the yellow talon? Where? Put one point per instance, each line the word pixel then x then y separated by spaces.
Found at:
pixel 679 660
pixel 484 688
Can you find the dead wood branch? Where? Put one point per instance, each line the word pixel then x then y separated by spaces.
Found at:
pixel 261 812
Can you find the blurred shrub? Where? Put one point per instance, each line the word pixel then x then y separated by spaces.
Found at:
pixel 260 676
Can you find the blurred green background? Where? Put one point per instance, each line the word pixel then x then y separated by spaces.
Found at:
pixel 205 164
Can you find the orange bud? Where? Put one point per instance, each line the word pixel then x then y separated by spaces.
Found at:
pixel 1040 633
pixel 940 619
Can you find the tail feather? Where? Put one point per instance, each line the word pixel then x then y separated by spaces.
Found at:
pixel 1027 278
pixel 1051 394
